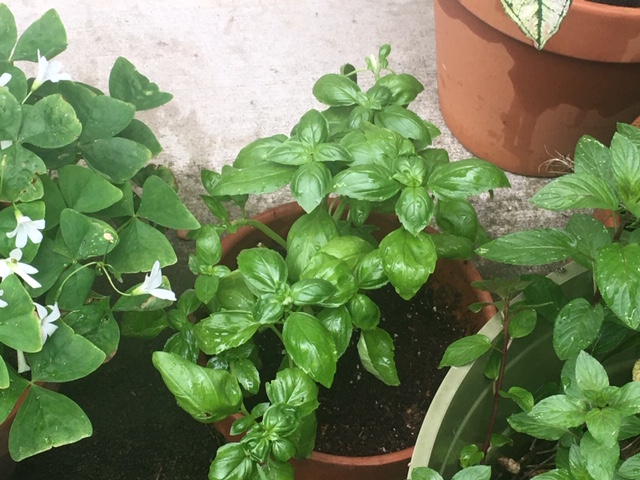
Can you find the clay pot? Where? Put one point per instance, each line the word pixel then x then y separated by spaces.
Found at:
pixel 456 274
pixel 519 107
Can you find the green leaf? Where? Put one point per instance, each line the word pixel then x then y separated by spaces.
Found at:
pixel 95 322
pixel 161 205
pixel 591 236
pixel 208 246
pixel 295 388
pixel 254 180
pixel 140 133
pixel 538 20
pixel 313 128
pixel 66 356
pixel 404 88
pixel 522 323
pixel 625 163
pixel 310 185
pixel 369 272
pixel 375 348
pixel 576 190
pixel 119 159
pixel 206 288
pixel 522 422
pixel 85 236
pixel 425 473
pixel 20 170
pixel 291 152
pixel 46 420
pixel 224 330
pixel 264 270
pixel 600 460
pixel 414 209
pixel 348 248
pixel 592 157
pixel 470 455
pixel 257 152
pixel 311 347
pixel 366 182
pixel 618 279
pixel 336 90
pixel 590 374
pixel 604 425
pixel 576 327
pixel 630 468
pixel 307 236
pixel 465 178
pixel 208 395
pixel 128 85
pixel 333 270
pixel 10 114
pixel 522 397
pixel 247 375
pixel 364 312
pixel 338 323
pixel 8 32
pixel 311 291
pixel 331 152
pixel 457 217
pixel 232 463
pixel 533 247
pixel 143 324
pixel 19 324
pixel 627 400
pixel 86 191
pixel 47 34
pixel 139 248
pixel 10 394
pixel 559 411
pixel 408 260
pixel 50 123
pixel 403 121
pixel 465 350
pixel 478 472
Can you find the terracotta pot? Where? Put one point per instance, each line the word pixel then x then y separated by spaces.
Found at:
pixel 7 464
pixel 519 107
pixel 457 274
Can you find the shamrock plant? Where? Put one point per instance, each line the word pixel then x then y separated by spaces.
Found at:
pixel 367 153
pixel 80 209
pixel 593 424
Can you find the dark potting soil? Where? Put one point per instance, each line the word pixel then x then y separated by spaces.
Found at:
pixel 619 3
pixel 360 415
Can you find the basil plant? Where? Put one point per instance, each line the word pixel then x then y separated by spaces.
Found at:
pixel 80 210
pixel 590 418
pixel 365 153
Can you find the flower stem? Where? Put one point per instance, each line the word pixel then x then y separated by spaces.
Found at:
pixel 248 222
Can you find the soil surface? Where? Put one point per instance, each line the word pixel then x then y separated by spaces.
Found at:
pixel 362 416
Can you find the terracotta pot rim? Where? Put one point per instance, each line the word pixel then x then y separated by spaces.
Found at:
pixel 581 32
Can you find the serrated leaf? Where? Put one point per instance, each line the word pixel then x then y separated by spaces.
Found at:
pixel 576 190
pixel 465 350
pixel 559 411
pixel 576 327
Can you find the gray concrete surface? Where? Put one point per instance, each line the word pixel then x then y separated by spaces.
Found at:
pixel 242 69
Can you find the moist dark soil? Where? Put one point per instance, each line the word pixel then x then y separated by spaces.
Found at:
pixel 619 3
pixel 360 415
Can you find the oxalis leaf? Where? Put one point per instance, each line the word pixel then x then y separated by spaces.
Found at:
pixel 128 85
pixel 46 419
pixel 539 20
pixel 618 278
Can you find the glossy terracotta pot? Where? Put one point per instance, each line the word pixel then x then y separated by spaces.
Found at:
pixel 519 107
pixel 456 274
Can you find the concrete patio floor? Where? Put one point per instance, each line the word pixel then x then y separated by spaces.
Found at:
pixel 238 70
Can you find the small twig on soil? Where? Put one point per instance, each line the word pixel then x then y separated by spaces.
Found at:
pixel 159 472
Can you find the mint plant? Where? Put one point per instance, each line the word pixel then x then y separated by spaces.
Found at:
pixel 366 153
pixel 594 423
pixel 81 210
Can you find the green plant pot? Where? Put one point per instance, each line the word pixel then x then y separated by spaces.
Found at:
pixel 460 411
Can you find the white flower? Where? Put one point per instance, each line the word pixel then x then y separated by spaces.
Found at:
pixel 12 265
pixel 46 320
pixel 49 71
pixel 151 284
pixel 4 79
pixel 23 366
pixel 2 302
pixel 26 228
pixel 4 144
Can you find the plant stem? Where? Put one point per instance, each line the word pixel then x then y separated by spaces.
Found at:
pixel 248 222
pixel 497 386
